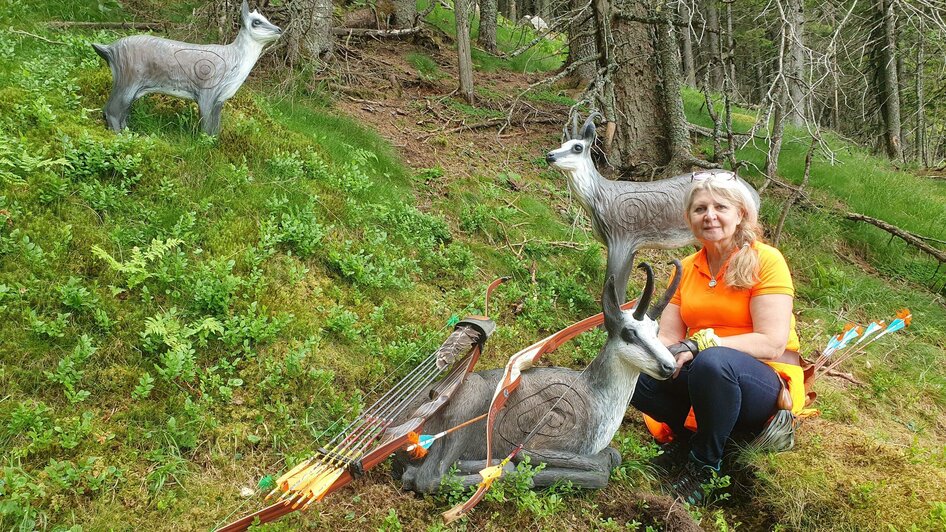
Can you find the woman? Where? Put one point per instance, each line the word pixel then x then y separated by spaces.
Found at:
pixel 730 318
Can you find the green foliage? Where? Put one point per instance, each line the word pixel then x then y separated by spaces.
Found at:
pixel 548 54
pixel 391 522
pixel 426 67
pixel 17 163
pixel 296 227
pixel 144 387
pixel 155 262
pixel 69 371
pixel 155 284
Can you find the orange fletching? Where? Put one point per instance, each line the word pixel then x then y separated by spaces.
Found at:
pixel 905 315
pixel 417 451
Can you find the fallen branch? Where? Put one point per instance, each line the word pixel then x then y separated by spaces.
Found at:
pixel 707 132
pixel 33 35
pixel 379 34
pixel 842 375
pixel 140 26
pixel 907 236
pixel 482 125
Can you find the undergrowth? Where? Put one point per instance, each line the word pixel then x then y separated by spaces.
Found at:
pixel 183 315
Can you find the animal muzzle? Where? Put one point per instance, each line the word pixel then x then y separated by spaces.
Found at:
pixel 550 157
pixel 667 369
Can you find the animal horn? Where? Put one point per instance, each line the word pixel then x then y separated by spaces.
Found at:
pixel 591 119
pixel 574 126
pixel 657 309
pixel 648 292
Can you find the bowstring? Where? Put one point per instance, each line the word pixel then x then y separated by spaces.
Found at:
pixel 339 420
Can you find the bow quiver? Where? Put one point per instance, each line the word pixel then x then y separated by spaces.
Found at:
pixel 373 437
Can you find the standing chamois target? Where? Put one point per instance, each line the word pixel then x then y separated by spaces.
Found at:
pixel 209 74
pixel 627 215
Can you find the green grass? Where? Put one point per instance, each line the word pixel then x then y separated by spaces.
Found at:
pixel 235 295
pixel 848 178
pixel 182 315
pixel 548 55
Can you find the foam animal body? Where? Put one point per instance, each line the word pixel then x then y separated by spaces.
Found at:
pixel 535 21
pixel 627 215
pixel 575 414
pixel 208 74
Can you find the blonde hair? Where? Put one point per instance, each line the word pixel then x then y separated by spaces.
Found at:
pixel 743 269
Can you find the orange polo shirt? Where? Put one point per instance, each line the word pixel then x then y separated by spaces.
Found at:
pixel 724 308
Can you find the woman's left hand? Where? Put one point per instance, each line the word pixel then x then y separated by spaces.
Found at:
pixel 682 353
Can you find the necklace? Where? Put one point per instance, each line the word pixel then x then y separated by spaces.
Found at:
pixel 713 282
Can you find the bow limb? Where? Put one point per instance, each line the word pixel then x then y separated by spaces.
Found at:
pixel 393 439
pixel 490 474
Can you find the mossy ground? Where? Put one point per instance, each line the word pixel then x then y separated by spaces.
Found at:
pixel 321 245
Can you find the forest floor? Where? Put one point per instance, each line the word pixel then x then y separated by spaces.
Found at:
pixel 504 133
pixel 304 263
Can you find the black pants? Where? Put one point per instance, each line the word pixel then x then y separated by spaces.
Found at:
pixel 728 390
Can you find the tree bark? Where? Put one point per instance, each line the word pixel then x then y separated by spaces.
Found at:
pixel 464 49
pixel 678 134
pixel 794 13
pixel 487 36
pixel 920 97
pixel 730 62
pixel 890 93
pixel 405 13
pixel 652 134
pixel 775 138
pixel 689 66
pixel 581 41
pixel 309 31
pixel 711 48
pixel 640 142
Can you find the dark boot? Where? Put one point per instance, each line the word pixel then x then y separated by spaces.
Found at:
pixel 672 457
pixel 694 481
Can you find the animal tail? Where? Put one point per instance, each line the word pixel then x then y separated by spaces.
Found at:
pixel 104 51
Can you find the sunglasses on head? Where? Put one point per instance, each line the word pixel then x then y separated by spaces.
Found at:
pixel 719 176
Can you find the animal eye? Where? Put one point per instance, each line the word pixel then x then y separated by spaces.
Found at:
pixel 256 23
pixel 577 148
pixel 628 335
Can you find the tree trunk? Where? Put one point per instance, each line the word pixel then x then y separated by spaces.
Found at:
pixel 512 11
pixel 775 139
pixel 689 66
pixel 651 128
pixel 711 49
pixel 465 60
pixel 487 36
pixel 795 71
pixel 581 41
pixel 405 13
pixel 678 134
pixel 920 98
pixel 890 84
pixel 761 81
pixel 730 62
pixel 309 31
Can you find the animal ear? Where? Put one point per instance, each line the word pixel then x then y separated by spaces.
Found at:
pixel 611 307
pixel 245 10
pixel 588 132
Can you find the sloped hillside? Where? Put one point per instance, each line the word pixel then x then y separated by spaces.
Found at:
pixel 183 316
